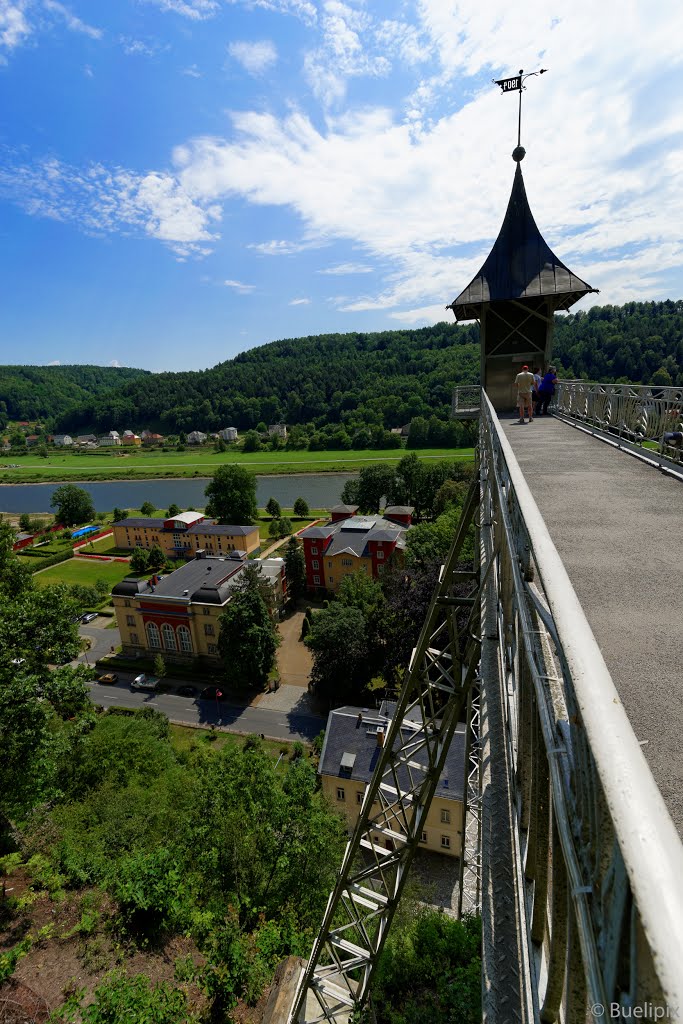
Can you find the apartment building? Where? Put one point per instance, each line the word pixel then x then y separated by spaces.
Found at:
pixel 179 615
pixel 351 543
pixel 354 739
pixel 183 535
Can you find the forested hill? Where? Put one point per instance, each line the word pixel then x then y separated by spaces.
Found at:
pixel 43 392
pixel 385 378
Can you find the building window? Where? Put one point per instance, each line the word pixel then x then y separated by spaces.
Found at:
pixel 126 604
pixel 185 639
pixel 446 842
pixel 331 579
pixel 153 638
pixel 381 568
pixel 316 581
pixel 211 648
pixel 445 817
pixel 359 798
pixel 423 837
pixel 169 637
pixel 208 629
pixel 314 551
pixel 130 620
pixel 315 563
pixel 347 561
pixel 206 611
pixel 340 793
pixel 380 554
pixel 329 565
pixel 133 638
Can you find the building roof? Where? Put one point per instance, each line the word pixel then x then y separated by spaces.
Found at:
pixel 355 743
pixel 205 580
pixel 351 509
pixel 221 530
pixel 133 521
pixel 521 265
pixel 319 532
pixel 186 517
pixel 399 510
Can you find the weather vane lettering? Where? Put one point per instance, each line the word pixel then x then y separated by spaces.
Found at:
pixel 516 84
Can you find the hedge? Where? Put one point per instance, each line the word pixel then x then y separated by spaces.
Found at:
pixel 45 563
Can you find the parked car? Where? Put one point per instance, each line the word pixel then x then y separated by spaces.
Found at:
pixel 108 677
pixel 211 693
pixel 88 617
pixel 144 682
pixel 187 691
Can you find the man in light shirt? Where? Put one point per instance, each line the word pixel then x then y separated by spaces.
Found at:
pixel 524 382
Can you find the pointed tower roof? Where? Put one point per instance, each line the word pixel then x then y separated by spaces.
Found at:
pixel 521 265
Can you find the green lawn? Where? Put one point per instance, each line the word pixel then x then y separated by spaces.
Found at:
pixel 83 571
pixel 200 462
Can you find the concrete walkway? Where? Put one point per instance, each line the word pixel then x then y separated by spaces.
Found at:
pixel 617 524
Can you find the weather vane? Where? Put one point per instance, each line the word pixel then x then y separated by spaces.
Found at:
pixel 516 84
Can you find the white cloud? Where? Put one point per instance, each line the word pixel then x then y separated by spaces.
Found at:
pixel 254 57
pixel 196 10
pixel 240 287
pixel 14 28
pixel 300 302
pixel 54 362
pixel 280 247
pixel 115 363
pixel 88 71
pixel 348 268
pixel 192 71
pixel 73 23
pixel 139 48
pixel 342 53
pixel 302 9
pixel 100 200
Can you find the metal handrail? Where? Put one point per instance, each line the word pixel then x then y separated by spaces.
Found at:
pixel 636 415
pixel 607 830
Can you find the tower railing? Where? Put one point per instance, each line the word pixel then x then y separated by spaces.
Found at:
pixel 640 417
pixel 465 401
pixel 600 865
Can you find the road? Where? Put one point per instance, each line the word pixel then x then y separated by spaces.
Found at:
pixel 278 725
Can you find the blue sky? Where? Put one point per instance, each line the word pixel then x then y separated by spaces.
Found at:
pixel 184 179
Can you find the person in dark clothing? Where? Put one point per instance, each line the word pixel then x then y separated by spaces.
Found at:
pixel 546 390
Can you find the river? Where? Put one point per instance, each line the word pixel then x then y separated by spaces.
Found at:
pixel 321 490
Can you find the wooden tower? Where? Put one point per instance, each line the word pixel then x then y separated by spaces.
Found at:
pixel 514 297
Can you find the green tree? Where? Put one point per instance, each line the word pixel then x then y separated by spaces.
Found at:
pixel 374 483
pixel 295 569
pixel 159 667
pixel 103 587
pixel 147 508
pixel 231 496
pixel 73 505
pixel 173 510
pixel 251 442
pixel 279 528
pixel 220 446
pixel 273 508
pixel 301 508
pixel 139 561
pixel 118 514
pixel 247 638
pixel 338 640
pixel 25 522
pixel 157 558
pixel 349 494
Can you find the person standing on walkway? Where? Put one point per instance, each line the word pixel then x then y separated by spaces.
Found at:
pixel 546 392
pixel 524 382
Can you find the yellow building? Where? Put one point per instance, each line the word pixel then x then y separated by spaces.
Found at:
pixel 183 535
pixel 178 615
pixel 353 741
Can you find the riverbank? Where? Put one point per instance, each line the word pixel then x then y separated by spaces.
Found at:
pixel 145 465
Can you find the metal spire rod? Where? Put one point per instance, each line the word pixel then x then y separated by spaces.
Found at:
pixel 516 84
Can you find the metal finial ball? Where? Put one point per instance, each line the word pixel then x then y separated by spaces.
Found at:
pixel 518 154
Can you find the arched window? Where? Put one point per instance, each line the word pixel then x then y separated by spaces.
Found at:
pixel 169 637
pixel 185 639
pixel 153 635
